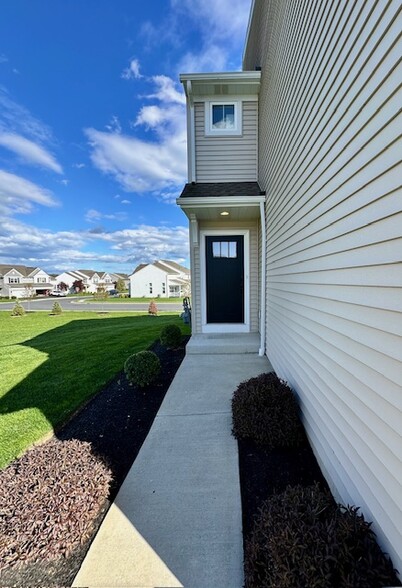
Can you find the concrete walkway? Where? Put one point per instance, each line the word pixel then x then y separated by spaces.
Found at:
pixel 176 521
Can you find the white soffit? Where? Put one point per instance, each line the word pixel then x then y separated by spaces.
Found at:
pixel 210 208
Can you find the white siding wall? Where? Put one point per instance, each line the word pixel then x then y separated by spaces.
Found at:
pixel 226 159
pixel 140 281
pixel 329 160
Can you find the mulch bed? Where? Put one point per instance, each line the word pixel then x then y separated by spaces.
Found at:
pixel 264 472
pixel 116 422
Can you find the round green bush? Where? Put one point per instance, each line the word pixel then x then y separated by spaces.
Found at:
pixel 142 368
pixel 265 410
pixel 170 336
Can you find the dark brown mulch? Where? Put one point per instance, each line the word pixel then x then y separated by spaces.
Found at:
pixel 116 422
pixel 264 472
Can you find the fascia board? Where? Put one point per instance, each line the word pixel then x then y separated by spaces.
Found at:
pixel 219 201
pixel 250 18
pixel 237 76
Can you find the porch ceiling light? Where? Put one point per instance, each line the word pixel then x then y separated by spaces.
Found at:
pixel 224 213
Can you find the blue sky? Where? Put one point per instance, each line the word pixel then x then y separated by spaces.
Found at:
pixel 92 125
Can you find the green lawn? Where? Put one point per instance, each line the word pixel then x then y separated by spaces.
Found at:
pixel 50 365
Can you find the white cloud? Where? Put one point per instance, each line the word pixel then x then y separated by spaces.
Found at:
pixel 153 165
pixel 93 215
pixel 19 195
pixel 219 21
pixel 146 243
pixel 126 201
pixel 152 116
pixel 114 126
pixel 79 165
pixel 166 90
pixel 16 119
pixel 112 251
pixel 29 151
pixel 132 72
pixel 65 182
pixel 137 165
pixel 212 58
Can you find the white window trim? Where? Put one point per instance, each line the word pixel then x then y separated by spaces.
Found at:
pixel 238 116
pixel 225 327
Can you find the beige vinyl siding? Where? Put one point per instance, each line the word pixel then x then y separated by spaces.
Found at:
pixel 227 159
pixel 329 159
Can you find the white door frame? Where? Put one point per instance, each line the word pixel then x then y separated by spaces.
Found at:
pixel 225 327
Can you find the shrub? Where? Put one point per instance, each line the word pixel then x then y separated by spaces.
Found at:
pixel 56 308
pixel 265 410
pixel 152 308
pixel 49 499
pixel 302 538
pixel 142 368
pixel 171 336
pixel 18 310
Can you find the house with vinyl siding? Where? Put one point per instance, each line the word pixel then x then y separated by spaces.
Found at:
pixel 160 279
pixel 19 281
pixel 295 214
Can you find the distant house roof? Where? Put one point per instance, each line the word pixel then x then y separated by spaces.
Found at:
pixel 169 267
pixel 195 190
pixel 22 269
pixel 140 267
pixel 88 273
pixel 177 266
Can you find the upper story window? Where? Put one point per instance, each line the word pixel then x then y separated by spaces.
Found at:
pixel 13 280
pixel 223 118
pixel 41 280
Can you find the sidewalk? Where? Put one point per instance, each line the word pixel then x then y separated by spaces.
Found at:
pixel 176 521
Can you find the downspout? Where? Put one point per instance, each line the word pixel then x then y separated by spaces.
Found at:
pixel 263 279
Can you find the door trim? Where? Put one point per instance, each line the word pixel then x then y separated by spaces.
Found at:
pixel 225 327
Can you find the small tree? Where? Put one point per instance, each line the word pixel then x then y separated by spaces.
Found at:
pixel 78 286
pixel 18 310
pixel 101 295
pixel 56 309
pixel 120 286
pixel 152 308
pixel 62 286
pixel 29 293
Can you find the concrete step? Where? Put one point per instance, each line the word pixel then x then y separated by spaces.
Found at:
pixel 223 343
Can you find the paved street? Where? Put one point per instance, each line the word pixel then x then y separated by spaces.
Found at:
pixel 88 304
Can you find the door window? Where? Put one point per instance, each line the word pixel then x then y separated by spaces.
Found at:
pixel 226 249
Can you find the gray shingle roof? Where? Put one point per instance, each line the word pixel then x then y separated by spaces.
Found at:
pixel 221 189
pixel 22 269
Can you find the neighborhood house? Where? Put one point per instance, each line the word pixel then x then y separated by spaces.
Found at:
pixel 161 279
pixel 294 207
pixel 19 281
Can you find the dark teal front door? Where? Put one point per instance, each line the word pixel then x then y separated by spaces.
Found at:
pixel 225 278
